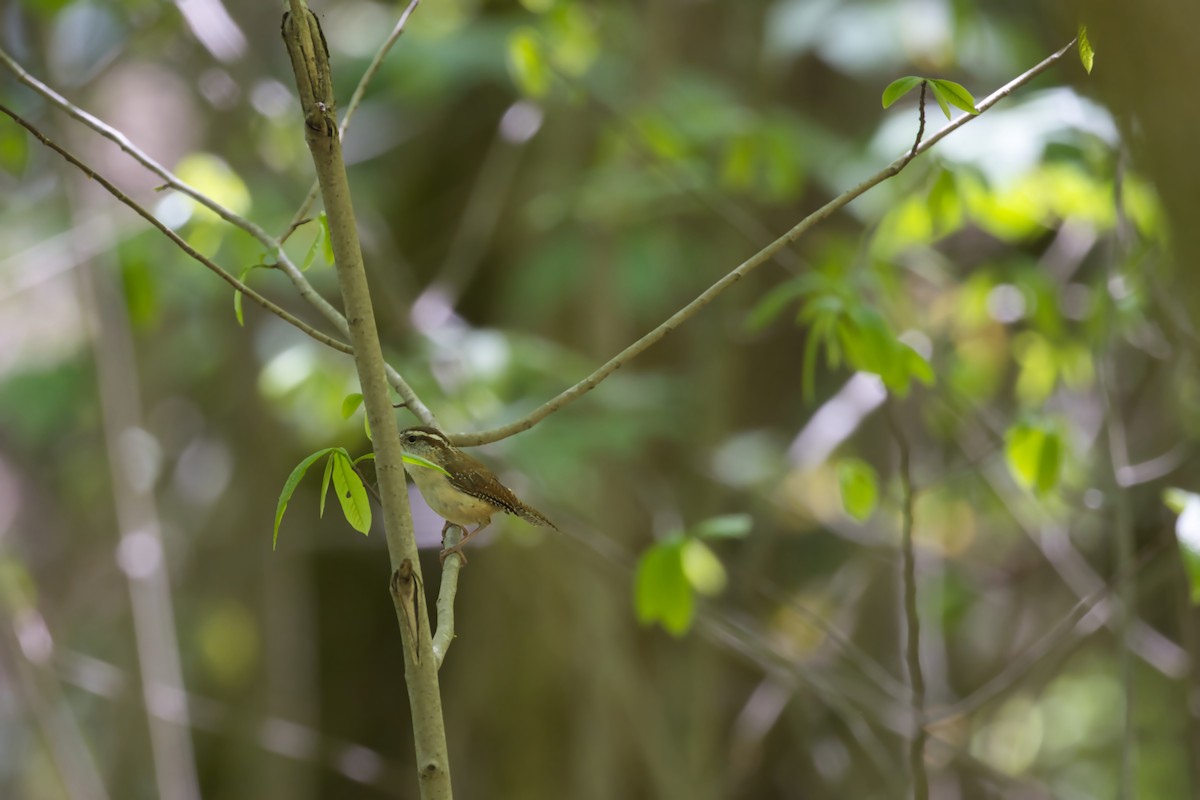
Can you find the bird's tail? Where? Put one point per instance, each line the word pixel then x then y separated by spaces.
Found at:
pixel 535 517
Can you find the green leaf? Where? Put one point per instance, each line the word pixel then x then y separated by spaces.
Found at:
pixel 662 591
pixel 940 97
pixel 325 486
pixel 237 293
pixel 1049 463
pixel 900 87
pixel 773 303
pixel 351 492
pixel 1177 499
pixel 1087 55
pixel 726 526
pixel 350 404
pixel 859 487
pixel 318 243
pixel 327 240
pixel 421 462
pixel 916 365
pixel 956 94
pixel 1034 456
pixel 702 568
pixel 527 63
pixel 289 487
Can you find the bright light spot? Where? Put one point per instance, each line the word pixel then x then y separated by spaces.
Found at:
pixel 213 26
pixel 1093 498
pixel 360 764
pixel 141 456
pixel 203 471
pixel 288 738
pixel 271 98
pixel 1006 303
pixel 433 309
pixel 837 419
pixel 139 554
pixel 33 635
pixel 174 210
pixel 1187 526
pixel 486 353
pixel 1118 287
pixel 167 702
pixel 219 89
pixel 521 122
pixel 287 370
pixel 356 28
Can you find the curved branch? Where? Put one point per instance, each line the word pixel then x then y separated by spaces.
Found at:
pixel 323 338
pixel 747 266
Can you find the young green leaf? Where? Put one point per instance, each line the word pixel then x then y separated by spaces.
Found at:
pixel 350 491
pixel 327 239
pixel 941 98
pixel 289 487
pixel 1086 54
pixel 237 293
pixel 325 486
pixel 318 244
pixel 350 404
pixel 702 568
pixel 956 94
pixel 859 488
pixel 1049 463
pixel 421 462
pixel 900 87
pixel 726 526
pixel 1034 456
pixel 662 592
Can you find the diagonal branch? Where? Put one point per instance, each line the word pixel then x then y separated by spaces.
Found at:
pixel 324 339
pixel 285 264
pixel 749 265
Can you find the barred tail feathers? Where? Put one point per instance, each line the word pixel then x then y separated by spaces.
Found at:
pixel 535 517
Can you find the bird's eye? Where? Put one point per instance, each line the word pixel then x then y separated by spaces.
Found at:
pixel 411 439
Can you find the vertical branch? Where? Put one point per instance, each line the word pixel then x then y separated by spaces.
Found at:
pixel 912 643
pixel 310 62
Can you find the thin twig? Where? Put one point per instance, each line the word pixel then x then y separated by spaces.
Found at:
pixel 921 115
pixel 912 627
pixel 444 635
pixel 298 218
pixel 747 266
pixel 323 338
pixel 1019 666
pixel 273 245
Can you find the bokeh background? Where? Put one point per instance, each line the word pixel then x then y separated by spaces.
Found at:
pixel 537 185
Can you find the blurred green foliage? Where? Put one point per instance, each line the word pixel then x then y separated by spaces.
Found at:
pixel 538 184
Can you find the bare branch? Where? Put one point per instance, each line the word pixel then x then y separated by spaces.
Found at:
pixel 285 264
pixel 298 218
pixel 444 635
pixel 177 239
pixel 747 266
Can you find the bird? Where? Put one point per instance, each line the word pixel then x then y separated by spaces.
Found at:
pixel 468 493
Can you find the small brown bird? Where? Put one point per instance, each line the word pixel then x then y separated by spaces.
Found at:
pixel 468 495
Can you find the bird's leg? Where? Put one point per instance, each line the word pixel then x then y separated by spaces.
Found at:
pixel 445 528
pixel 458 547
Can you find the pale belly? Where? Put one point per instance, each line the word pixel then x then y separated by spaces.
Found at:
pixel 449 503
